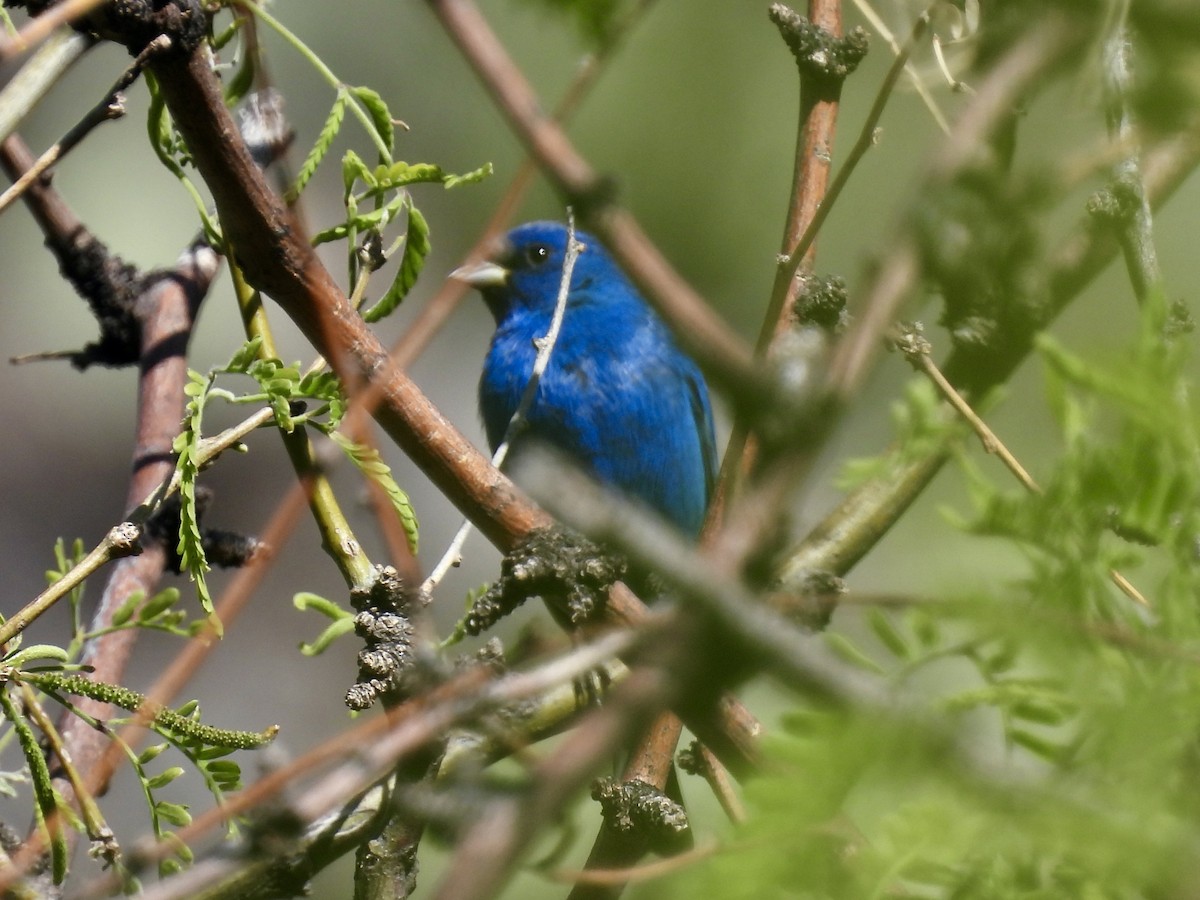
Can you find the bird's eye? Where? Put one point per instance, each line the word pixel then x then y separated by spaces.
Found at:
pixel 536 254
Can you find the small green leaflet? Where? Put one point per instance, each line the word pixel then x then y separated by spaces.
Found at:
pixel 381 116
pixel 191 551
pixel 341 621
pixel 416 248
pixel 329 131
pixel 368 461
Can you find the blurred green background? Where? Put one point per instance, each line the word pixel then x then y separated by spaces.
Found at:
pixel 696 119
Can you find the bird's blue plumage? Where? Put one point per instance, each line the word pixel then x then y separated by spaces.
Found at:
pixel 618 396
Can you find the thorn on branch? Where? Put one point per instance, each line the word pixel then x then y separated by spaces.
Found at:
pixel 644 814
pixel 550 563
pixel 820 55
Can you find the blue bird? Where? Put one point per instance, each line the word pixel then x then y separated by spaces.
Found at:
pixel 619 397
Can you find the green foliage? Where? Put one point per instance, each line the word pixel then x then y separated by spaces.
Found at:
pixel 329 131
pixel 341 621
pixel 1045 745
pixel 416 248
pixel 923 426
pixel 187 446
pixel 368 462
pixel 297 398
pixel 46 805
pixel 382 192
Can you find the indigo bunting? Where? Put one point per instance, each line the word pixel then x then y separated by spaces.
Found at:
pixel 618 396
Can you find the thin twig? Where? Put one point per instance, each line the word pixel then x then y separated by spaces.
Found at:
pixel 111 107
pixel 610 878
pixel 873 19
pixel 44 25
pixel 916 350
pixel 995 99
pixel 39 73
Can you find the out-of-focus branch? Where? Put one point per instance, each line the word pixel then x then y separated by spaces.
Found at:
pixel 40 28
pixel 1134 219
pixel 39 73
pixel 997 95
pixel 363 755
pixel 865 515
pixel 112 106
pixel 486 854
pixel 700 331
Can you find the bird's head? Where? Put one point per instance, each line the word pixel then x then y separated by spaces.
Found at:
pixel 525 268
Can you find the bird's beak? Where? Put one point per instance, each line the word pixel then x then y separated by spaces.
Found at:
pixel 481 275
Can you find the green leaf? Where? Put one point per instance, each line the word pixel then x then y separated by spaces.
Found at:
pixel 325 139
pixel 354 169
pixel 151 753
pixel 1038 745
pixel 214 752
pixel 46 807
pixel 175 813
pixel 841 645
pixel 593 18
pixel 416 249
pixel 245 357
pixel 369 463
pixel 474 177
pixel 158 604
pixel 22 657
pixel 165 777
pixel 124 612
pixel 331 633
pixel 381 116
pixel 884 629
pixel 304 601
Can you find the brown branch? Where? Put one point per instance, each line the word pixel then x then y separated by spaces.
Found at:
pixel 278 261
pixel 165 313
pixel 651 760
